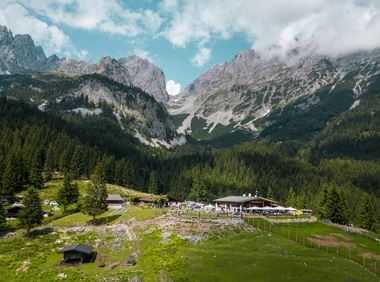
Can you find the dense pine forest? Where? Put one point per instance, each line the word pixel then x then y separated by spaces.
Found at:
pixel 341 161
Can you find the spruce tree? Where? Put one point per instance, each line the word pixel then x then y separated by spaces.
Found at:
pixel 198 190
pixel 302 201
pixel 50 163
pixel 13 175
pixel 99 174
pixel 270 193
pixel 292 198
pixel 2 215
pixel 68 193
pixel 95 200
pixel 153 185
pixel 321 205
pixel 367 214
pixel 109 169
pixel 35 172
pixel 336 207
pixel 120 178
pixel 31 215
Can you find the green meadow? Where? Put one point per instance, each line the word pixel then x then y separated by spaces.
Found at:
pixel 268 252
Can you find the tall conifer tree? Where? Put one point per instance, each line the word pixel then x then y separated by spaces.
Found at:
pixel 31 215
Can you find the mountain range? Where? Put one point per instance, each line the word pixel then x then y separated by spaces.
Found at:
pixel 289 97
pixel 132 86
pixel 256 93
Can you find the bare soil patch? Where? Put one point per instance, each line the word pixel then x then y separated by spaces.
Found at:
pixel 330 240
pixel 183 226
pixel 370 255
pixel 344 237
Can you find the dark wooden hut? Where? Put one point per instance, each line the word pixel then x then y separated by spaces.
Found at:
pixel 131 260
pixel 13 211
pixel 78 253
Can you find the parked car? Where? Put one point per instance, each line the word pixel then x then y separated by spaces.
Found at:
pixel 54 203
pixel 46 202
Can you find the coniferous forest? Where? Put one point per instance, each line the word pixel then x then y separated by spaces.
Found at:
pixel 339 165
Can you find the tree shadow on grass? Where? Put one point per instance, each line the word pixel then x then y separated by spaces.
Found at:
pixel 104 220
pixel 41 231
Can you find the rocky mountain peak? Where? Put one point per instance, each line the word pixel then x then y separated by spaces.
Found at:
pixel 19 54
pixel 6 36
pixel 147 76
pixel 251 85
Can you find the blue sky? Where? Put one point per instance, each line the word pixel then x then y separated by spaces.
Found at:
pixel 174 61
pixel 186 37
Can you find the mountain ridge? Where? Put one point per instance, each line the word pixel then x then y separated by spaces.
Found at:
pixel 18 54
pixel 251 86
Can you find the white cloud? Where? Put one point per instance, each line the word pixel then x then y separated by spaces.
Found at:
pixel 173 88
pixel 201 57
pixel 144 54
pixel 17 18
pixel 330 27
pixel 109 16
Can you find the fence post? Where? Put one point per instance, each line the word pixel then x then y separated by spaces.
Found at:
pixel 375 268
pixel 337 251
pixel 349 249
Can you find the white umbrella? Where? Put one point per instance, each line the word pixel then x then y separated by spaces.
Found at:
pixel 279 208
pixel 254 208
pixel 209 207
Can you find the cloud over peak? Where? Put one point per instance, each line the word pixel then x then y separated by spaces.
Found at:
pixel 173 88
pixel 271 27
pixel 331 27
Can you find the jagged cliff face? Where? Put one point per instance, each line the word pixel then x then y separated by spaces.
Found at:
pixel 147 76
pixel 19 54
pixel 246 90
pixel 136 112
pixel 107 66
pixel 131 70
pixel 127 85
pixel 254 93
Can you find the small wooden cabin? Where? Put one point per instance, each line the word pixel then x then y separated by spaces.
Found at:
pixel 147 200
pixel 131 260
pixel 13 211
pixel 78 253
pixel 114 201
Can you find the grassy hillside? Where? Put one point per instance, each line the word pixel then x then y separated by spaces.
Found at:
pixel 224 253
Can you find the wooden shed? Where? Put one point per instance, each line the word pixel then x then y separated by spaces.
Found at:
pixel 78 253
pixel 131 260
pixel 114 201
pixel 13 211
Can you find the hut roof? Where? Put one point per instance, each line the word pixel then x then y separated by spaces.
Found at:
pixel 114 197
pixel 147 199
pixel 83 248
pixel 241 199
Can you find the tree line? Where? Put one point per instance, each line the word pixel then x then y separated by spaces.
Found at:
pixel 36 145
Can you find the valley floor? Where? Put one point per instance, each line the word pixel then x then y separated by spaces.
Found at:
pixel 172 248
